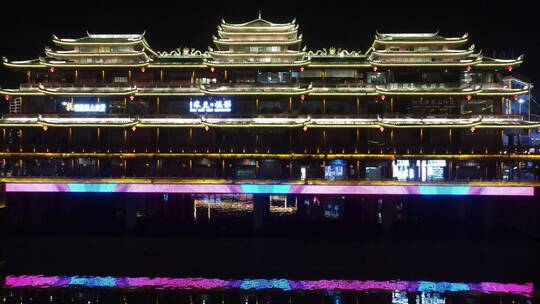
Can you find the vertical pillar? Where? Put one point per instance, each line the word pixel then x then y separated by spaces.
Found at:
pixel 261 209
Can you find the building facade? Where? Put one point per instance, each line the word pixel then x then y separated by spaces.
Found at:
pixel 259 113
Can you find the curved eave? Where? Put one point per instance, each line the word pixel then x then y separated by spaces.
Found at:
pixel 498 64
pixel 19 92
pixel 382 91
pixel 265 42
pixel 447 41
pixel 94 65
pixel 422 54
pixel 174 65
pixel 22 64
pixel 223 33
pixel 423 64
pixel 87 93
pixel 275 54
pixel 339 65
pixel 255 65
pixel 74 42
pixel 256 93
pixel 80 54
pixel 269 123
pixel 140 92
pixel 503 92
pixel 319 92
pixel 148 48
pixel 245 27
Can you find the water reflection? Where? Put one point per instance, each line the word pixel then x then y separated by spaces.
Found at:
pixel 90 289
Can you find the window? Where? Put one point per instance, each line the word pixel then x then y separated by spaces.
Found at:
pixel 120 79
pixel 377 78
pixel 86 49
pixel 274 49
pixel 256 49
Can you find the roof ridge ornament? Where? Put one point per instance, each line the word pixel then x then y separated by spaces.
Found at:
pixel 260 16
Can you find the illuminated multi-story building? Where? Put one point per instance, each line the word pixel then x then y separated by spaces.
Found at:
pixel 258 113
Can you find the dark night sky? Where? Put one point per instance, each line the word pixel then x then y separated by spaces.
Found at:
pixel 509 26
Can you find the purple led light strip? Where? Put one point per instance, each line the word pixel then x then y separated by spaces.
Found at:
pixel 275 189
pixel 38 281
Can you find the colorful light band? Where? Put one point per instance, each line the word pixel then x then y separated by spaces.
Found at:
pixel 38 281
pixel 273 189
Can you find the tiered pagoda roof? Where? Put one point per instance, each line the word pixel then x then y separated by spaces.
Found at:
pixel 261 43
pixel 257 42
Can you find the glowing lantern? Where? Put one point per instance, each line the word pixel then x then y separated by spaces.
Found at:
pixel 301 69
pixel 206 128
pixel 472 129
pixel 7 97
pixel 212 69
pixel 45 128
pixel 469 97
pixel 516 97
pixel 304 128
pixel 375 68
pixel 509 68
pixel 131 97
pixel 133 128
pixel 302 97
pixel 468 69
pixel 143 69
pixel 383 97
pixel 51 69
pixel 381 129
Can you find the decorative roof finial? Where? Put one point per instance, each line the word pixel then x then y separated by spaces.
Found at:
pixel 260 14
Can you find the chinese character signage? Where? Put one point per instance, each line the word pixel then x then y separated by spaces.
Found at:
pixel 98 107
pixel 210 105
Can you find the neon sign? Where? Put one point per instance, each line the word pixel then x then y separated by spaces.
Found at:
pixel 85 107
pixel 218 105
